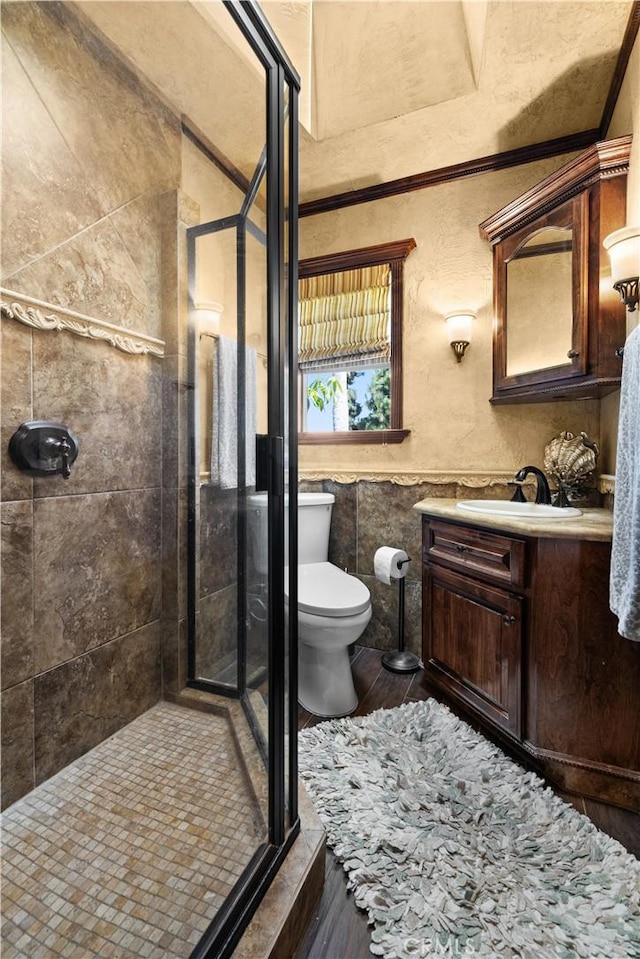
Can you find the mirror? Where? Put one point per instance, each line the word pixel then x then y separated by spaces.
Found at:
pixel 540 301
pixel 557 325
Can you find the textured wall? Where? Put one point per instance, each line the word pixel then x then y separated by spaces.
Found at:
pixel 626 119
pixel 446 404
pixel 89 155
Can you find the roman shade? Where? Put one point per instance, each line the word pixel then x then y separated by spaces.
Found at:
pixel 345 319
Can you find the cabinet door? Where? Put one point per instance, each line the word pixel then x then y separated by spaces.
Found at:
pixel 559 322
pixel 472 637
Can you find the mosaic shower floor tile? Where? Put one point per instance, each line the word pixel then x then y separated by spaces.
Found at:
pixel 131 849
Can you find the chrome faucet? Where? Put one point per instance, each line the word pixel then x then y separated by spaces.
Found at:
pixel 543 493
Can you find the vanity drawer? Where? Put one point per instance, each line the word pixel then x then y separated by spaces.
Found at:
pixel 489 556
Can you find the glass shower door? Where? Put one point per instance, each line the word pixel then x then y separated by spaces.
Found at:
pixel 242 521
pixel 229 588
pixel 242 556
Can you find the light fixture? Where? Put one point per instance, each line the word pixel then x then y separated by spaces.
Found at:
pixel 623 247
pixel 459 328
pixel 209 318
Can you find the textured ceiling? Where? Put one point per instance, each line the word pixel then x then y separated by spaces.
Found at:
pixel 390 87
pixel 376 61
pixel 543 71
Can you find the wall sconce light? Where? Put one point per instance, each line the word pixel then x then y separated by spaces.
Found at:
pixel 209 318
pixel 459 328
pixel 623 247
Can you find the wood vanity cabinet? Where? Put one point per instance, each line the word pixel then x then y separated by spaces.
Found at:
pixel 558 321
pixel 473 630
pixel 517 633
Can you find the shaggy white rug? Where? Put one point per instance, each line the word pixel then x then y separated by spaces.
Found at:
pixel 453 850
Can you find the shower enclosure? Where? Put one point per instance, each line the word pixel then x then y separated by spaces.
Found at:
pixel 149 283
pixel 242 287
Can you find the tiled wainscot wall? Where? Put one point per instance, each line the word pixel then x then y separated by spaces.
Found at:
pixel 372 512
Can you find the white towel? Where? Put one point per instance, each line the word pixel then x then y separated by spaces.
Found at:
pixel 224 420
pixel 624 594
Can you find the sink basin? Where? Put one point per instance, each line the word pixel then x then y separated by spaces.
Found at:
pixel 501 507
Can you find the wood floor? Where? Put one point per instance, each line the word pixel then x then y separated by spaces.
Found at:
pixel 340 930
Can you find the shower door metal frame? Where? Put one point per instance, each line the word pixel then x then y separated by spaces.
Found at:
pixel 242 226
pixel 231 920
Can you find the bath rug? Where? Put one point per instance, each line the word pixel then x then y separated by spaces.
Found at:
pixel 454 850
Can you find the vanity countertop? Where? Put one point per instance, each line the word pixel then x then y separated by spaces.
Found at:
pixel 594 524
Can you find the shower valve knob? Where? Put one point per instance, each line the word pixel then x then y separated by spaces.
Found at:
pixel 43 448
pixel 64 448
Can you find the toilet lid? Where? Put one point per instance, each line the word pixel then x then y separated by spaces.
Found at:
pixel 326 590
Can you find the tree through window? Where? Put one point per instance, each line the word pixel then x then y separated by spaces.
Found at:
pixel 350 345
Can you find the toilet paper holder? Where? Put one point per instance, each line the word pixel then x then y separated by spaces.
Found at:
pixel 401 660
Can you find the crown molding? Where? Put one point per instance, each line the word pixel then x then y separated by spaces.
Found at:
pixel 602 160
pixel 420 181
pixel 213 154
pixel 351 259
pixel 630 34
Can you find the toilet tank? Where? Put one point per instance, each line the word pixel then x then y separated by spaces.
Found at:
pixel 314 523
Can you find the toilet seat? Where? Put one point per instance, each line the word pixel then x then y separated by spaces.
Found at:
pixel 326 590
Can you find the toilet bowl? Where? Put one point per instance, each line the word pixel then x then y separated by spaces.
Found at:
pixel 334 608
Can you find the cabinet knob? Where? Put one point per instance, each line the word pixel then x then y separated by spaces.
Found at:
pixel 508 620
pixel 572 354
pixel 461 549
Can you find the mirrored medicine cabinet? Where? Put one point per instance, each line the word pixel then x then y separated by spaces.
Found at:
pixel 558 324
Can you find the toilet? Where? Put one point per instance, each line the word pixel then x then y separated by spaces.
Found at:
pixel 334 607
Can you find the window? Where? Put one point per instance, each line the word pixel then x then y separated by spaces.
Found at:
pixel 350 345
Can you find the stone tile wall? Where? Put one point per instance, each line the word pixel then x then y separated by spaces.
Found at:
pixel 217 595
pixel 367 515
pixel 92 165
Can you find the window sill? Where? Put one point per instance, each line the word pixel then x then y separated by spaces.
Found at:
pixel 383 437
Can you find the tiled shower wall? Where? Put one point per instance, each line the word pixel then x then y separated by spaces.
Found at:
pixel 218 596
pixel 92 166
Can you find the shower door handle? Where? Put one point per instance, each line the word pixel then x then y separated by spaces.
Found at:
pixel 270 464
pixel 262 462
pixel 277 465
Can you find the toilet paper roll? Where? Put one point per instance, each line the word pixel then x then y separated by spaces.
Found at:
pixel 385 564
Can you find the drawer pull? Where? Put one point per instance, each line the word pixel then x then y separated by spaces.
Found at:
pixel 508 620
pixel 461 549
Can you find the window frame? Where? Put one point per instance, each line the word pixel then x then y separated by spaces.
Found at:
pixel 394 254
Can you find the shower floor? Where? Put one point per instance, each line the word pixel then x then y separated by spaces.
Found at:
pixel 130 850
